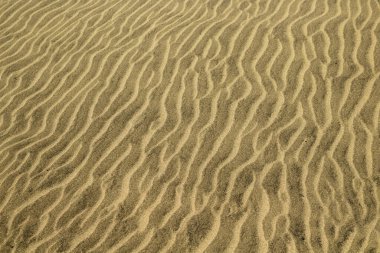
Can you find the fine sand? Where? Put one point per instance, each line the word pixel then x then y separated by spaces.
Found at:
pixel 190 126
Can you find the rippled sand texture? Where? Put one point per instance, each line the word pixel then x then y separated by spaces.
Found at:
pixel 189 126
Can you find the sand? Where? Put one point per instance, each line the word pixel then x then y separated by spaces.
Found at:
pixel 189 126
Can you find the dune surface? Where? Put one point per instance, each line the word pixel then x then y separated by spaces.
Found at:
pixel 189 126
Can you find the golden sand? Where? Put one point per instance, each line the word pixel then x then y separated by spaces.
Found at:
pixel 189 126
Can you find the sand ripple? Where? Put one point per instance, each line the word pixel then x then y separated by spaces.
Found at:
pixel 189 126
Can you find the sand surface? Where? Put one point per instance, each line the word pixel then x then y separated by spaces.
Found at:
pixel 189 126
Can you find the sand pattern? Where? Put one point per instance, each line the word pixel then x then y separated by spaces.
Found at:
pixel 189 126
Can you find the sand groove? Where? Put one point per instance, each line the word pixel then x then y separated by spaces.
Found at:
pixel 189 126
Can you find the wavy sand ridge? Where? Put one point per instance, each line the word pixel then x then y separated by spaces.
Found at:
pixel 189 126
